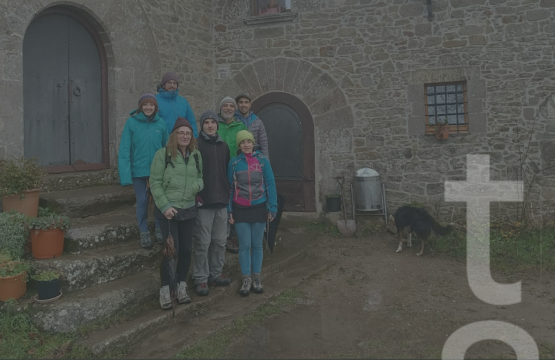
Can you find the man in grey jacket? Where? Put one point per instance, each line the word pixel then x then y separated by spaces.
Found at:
pixel 253 124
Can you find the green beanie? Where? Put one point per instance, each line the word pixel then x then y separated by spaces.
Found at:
pixel 244 135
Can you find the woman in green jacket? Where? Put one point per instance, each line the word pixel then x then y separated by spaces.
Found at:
pixel 144 133
pixel 175 180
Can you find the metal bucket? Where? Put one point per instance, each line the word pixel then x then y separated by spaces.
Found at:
pixel 367 193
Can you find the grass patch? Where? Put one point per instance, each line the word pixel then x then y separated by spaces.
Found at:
pixel 322 228
pixel 20 339
pixel 216 345
pixel 512 247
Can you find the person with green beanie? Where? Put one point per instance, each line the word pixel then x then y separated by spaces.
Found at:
pixel 252 202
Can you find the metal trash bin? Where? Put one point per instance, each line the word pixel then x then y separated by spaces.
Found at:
pixel 367 193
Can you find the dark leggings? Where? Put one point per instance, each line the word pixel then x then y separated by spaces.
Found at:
pixel 182 233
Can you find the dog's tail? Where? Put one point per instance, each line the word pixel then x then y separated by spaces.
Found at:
pixel 441 230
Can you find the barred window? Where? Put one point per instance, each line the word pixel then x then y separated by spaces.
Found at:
pixel 447 103
pixel 270 7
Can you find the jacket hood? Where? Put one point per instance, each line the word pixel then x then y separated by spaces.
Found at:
pixel 140 116
pixel 221 119
pixel 249 119
pixel 168 94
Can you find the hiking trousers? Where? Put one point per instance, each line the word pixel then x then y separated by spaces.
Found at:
pixel 139 186
pixel 250 236
pixel 182 233
pixel 209 240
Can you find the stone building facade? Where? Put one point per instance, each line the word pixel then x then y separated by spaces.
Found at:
pixel 360 67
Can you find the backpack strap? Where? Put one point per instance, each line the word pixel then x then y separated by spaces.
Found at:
pixel 195 155
pixel 169 161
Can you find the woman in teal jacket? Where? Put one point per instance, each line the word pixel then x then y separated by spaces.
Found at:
pixel 143 134
pixel 175 180
pixel 172 105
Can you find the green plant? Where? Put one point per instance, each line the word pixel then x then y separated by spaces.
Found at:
pixel 14 233
pixel 46 275
pixel 439 124
pixel 19 175
pixel 14 268
pixel 47 220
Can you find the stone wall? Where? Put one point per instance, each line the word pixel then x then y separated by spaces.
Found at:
pixel 373 58
pixel 143 39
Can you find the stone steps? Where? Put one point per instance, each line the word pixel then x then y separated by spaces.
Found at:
pixel 155 320
pixel 97 231
pixel 90 201
pixel 100 265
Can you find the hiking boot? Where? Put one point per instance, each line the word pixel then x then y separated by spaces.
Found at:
pixel 182 297
pixel 246 287
pixel 145 240
pixel 165 299
pixel 232 246
pixel 158 235
pixel 256 284
pixel 220 281
pixel 202 289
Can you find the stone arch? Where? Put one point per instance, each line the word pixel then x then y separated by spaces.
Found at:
pixel 333 117
pixel 317 89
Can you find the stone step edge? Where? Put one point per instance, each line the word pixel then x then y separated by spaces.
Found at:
pixel 135 334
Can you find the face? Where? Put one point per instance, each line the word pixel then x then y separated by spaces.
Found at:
pixel 184 135
pixel 148 108
pixel 210 127
pixel 170 85
pixel 244 105
pixel 227 111
pixel 246 146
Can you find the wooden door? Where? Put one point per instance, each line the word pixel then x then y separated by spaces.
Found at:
pixel 62 84
pixel 290 131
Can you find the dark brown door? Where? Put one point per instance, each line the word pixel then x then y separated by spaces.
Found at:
pixel 62 84
pixel 290 130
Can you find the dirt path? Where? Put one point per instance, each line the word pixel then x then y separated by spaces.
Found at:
pixel 374 303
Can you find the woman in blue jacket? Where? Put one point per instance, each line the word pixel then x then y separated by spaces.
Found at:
pixel 143 134
pixel 253 201
pixel 172 105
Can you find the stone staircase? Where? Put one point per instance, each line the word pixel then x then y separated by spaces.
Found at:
pixel 107 273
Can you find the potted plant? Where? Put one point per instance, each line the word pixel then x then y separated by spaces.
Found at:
pixel 14 234
pixel 333 202
pixel 13 277
pixel 48 285
pixel 441 129
pixel 20 181
pixel 47 234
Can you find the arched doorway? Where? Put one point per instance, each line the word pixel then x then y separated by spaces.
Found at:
pixel 65 106
pixel 290 130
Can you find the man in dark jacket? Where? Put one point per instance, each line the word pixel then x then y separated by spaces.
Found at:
pixel 210 232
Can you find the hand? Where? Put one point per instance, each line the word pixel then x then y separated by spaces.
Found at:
pixel 169 214
pixel 270 216
pixel 230 219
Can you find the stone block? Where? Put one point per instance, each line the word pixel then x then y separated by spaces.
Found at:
pixel 334 100
pixel 348 50
pixel 528 113
pixel 411 10
pixel 423 29
pixel 416 125
pixel 475 106
pixel 465 3
pixel 262 75
pixel 270 72
pixel 547 4
pixel 269 33
pixel 305 5
pixel 341 118
pixel 535 15
pixel 290 73
pixel 418 108
pixel 242 83
pixel 428 154
pixel 454 43
pixel 327 51
pixel 280 65
pixel 309 80
pixel 519 30
pixel 476 89
pixel 446 75
pixel 337 141
pixel 412 188
pixel 471 30
pixel 432 41
pixel 445 60
pixel 252 78
pixel 477 40
pixel 415 93
pixel 302 71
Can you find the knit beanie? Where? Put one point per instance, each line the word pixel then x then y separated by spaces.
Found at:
pixel 244 135
pixel 227 99
pixel 147 98
pixel 209 114
pixel 170 75
pixel 181 121
pixel 238 97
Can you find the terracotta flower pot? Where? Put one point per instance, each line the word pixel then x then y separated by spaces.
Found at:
pixel 47 244
pixel 13 287
pixel 443 133
pixel 29 205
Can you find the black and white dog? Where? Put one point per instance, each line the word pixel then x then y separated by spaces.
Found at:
pixel 409 219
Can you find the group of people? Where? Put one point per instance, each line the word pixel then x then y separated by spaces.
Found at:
pixel 203 184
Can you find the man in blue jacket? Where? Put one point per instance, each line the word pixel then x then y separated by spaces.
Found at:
pixel 171 105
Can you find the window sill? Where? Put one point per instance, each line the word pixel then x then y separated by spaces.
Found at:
pixel 268 19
